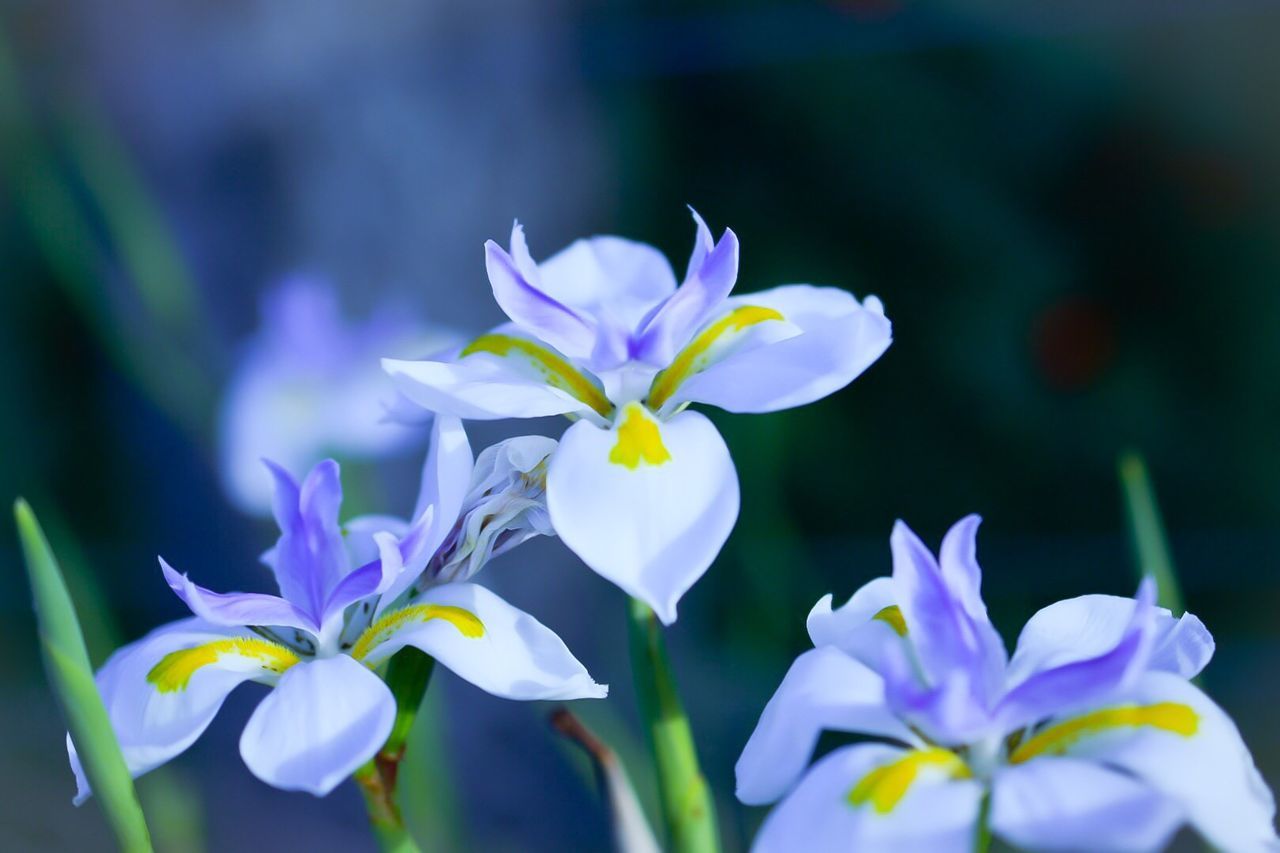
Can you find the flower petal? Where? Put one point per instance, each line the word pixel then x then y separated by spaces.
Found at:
pixel 531 308
pixel 484 640
pixel 236 609
pixel 645 504
pixel 325 718
pixel 1068 804
pixel 610 278
pixel 863 625
pixel 1089 625
pixel 824 689
pixel 833 339
pixel 162 691
pixel 505 376
pixel 934 813
pixel 1085 681
pixel 310 557
pixel 1204 766
pixel 713 270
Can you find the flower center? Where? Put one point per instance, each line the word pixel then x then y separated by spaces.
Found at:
pixel 639 439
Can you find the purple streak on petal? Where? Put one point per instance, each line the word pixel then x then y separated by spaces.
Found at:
pixel 958 558
pixel 533 310
pixel 309 558
pixel 1080 683
pixel 670 325
pixel 948 710
pixel 944 635
pixel 236 609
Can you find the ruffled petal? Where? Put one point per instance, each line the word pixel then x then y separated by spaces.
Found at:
pixel 162 691
pixel 1068 804
pixel 1086 626
pixel 934 812
pixel 646 504
pixel 824 339
pixel 863 625
pixel 484 640
pixel 824 689
pixel 325 718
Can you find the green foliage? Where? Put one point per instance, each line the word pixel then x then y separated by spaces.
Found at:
pixel 71 676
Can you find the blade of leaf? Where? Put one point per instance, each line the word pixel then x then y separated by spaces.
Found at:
pixel 70 674
pixel 1146 531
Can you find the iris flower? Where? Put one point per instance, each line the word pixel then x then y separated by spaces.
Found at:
pixel 318 644
pixel 307 385
pixel 1091 737
pixel 640 488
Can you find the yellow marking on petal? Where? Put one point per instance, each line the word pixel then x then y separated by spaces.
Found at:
pixel 639 439
pixel 892 617
pixel 175 669
pixel 555 370
pixel 467 623
pixel 694 356
pixel 885 786
pixel 1056 739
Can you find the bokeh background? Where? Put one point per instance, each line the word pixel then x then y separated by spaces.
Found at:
pixel 1071 211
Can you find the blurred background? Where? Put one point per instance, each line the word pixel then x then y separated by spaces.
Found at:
pixel 210 211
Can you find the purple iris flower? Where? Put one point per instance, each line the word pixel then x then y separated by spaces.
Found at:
pixel 350 597
pixel 308 385
pixel 641 488
pixel 1091 737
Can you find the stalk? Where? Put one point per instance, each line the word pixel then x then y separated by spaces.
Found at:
pixel 687 808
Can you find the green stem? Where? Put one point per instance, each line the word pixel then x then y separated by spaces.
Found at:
pixel 982 839
pixel 408 675
pixel 1147 535
pixel 687 807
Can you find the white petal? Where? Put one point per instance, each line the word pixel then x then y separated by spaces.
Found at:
pixel 495 646
pixel 824 689
pixel 852 627
pixel 1085 627
pixel 154 725
pixel 934 815
pixel 647 504
pixel 1209 773
pixel 480 387
pixel 609 277
pixel 325 718
pixel 1069 804
pixel 834 340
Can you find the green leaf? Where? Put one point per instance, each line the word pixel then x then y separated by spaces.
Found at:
pixel 1146 529
pixel 71 675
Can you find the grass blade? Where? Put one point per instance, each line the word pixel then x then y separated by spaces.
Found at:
pixel 1146 531
pixel 71 675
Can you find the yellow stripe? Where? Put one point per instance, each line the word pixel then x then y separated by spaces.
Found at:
pixel 467 623
pixel 693 357
pixel 557 372
pixel 639 440
pixel 1172 717
pixel 175 669
pixel 892 616
pixel 885 786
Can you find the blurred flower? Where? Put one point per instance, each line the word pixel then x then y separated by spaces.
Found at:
pixel 1091 737
pixel 318 642
pixel 308 385
pixel 641 489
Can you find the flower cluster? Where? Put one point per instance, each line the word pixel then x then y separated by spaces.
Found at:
pixel 1092 735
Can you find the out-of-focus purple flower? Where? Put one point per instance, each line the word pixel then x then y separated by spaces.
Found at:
pixel 308 385
pixel 1091 737
pixel 350 597
pixel 642 489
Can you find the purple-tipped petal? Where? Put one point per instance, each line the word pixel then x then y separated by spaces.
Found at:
pixel 533 310
pixel 236 609
pixel 309 558
pixel 1060 689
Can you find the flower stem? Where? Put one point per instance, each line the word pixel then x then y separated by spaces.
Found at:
pixel 687 807
pixel 408 675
